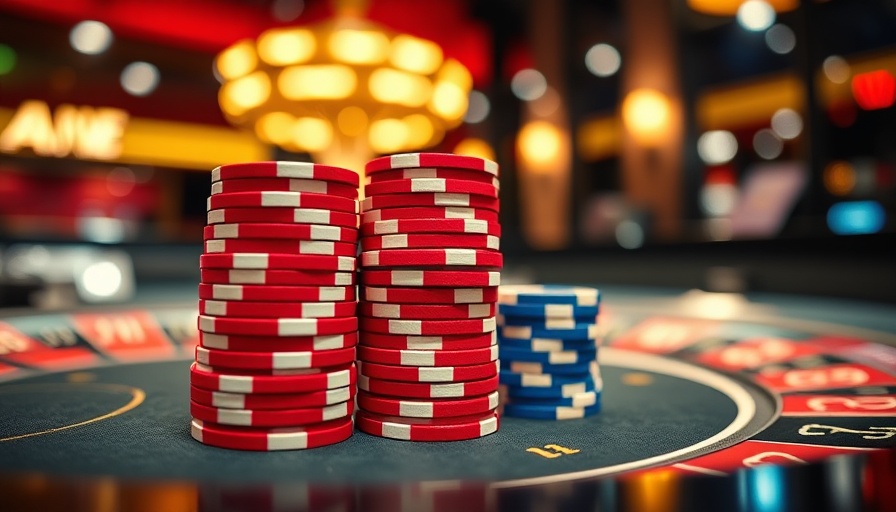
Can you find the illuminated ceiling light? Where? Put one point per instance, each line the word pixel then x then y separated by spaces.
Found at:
pixel 787 123
pixel 311 133
pixel 767 145
pixel 247 92
pixel 839 178
pixel 7 59
pixel 352 121
pixel 856 218
pixel 282 47
pixel 780 39
pixel 603 60
pixel 275 127
pixel 717 147
pixel 236 61
pixel 528 84
pixel 478 109
pixel 646 113
pixel 475 147
pixel 755 15
pixel 415 55
pixel 359 46
pixel 400 87
pixel 140 78
pixel 388 135
pixel 325 81
pixel 287 10
pixel 874 90
pixel 90 37
pixel 729 7
pixel 836 69
pixel 449 101
pixel 454 72
pixel 539 143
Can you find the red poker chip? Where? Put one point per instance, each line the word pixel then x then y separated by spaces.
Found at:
pixel 429 199
pixel 299 170
pixel 428 327
pixel 262 293
pixel 427 409
pixel 233 381
pixel 433 172
pixel 430 241
pixel 268 402
pixel 428 212
pixel 417 374
pixel 428 390
pixel 277 277
pixel 271 418
pixel 413 429
pixel 428 311
pixel 424 278
pixel 282 216
pixel 442 160
pixel 277 326
pixel 430 185
pixel 278 231
pixel 282 200
pixel 427 357
pixel 405 295
pixel 284 185
pixel 451 342
pixel 273 439
pixel 432 257
pixel 267 261
pixel 278 309
pixel 404 226
pixel 269 245
pixel 252 343
pixel 274 360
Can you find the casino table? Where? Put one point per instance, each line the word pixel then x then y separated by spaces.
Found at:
pixel 711 401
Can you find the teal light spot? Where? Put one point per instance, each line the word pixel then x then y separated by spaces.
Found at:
pixel 7 59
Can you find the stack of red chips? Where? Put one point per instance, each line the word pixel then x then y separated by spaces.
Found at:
pixel 277 311
pixel 430 270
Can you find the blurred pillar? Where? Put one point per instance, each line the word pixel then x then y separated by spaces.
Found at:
pixel 652 162
pixel 544 146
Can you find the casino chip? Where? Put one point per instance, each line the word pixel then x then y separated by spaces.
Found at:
pixel 430 262
pixel 548 340
pixel 277 320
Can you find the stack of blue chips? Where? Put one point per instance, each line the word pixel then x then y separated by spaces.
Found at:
pixel 548 340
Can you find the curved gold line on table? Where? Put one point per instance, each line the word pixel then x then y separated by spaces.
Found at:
pixel 137 398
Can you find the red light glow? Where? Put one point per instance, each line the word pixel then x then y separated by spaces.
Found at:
pixel 874 90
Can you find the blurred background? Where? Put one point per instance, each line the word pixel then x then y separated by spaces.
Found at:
pixel 727 145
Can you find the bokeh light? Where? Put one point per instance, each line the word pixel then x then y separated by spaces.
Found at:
pixel 603 60
pixel 528 84
pixel 646 114
pixel 755 15
pixel 836 69
pixel 140 78
pixel 780 39
pixel 472 146
pixel 767 145
pixel 787 123
pixel 478 109
pixel 839 178
pixel 7 59
pixel 717 147
pixel 90 37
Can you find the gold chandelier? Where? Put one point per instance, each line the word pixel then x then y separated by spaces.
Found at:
pixel 344 89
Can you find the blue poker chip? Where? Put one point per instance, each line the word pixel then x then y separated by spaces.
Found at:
pixel 548 294
pixel 569 390
pixel 527 332
pixel 583 399
pixel 547 345
pixel 506 353
pixel 583 313
pixel 550 412
pixel 545 323
pixel 560 369
pixel 531 380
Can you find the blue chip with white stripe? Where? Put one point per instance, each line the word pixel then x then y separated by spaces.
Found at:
pixel 532 380
pixel 545 323
pixel 506 353
pixel 543 368
pixel 569 390
pixel 548 294
pixel 550 412
pixel 583 313
pixel 527 332
pixel 548 344
pixel 583 399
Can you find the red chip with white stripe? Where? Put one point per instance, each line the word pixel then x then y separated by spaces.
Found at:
pixel 282 200
pixel 407 295
pixel 262 293
pixel 268 261
pixel 268 402
pixel 271 418
pixel 283 246
pixel 431 185
pixel 273 169
pixel 282 216
pixel 250 343
pixel 427 357
pixel 433 172
pixel 448 342
pixel 417 374
pixel 441 160
pixel 430 241
pixel 234 381
pixel 428 390
pixel 277 277
pixel 277 326
pixel 424 278
pixel 277 309
pixel 274 360
pixel 431 212
pixel 413 429
pixel 273 439
pixel 428 311
pixel 284 185
pixel 468 226
pixel 278 231
pixel 427 408
pixel 432 258
pixel 429 199
pixel 428 327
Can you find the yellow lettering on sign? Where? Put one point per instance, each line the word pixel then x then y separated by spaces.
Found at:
pixel 85 132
